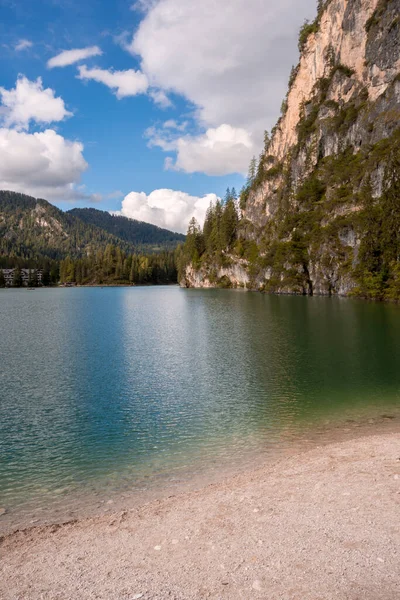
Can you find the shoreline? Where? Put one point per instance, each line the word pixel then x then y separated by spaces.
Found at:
pixel 81 505
pixel 328 512
pixel 354 297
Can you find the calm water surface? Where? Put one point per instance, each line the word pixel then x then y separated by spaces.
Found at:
pixel 115 389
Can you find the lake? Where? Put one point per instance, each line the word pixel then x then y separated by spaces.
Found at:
pixel 111 391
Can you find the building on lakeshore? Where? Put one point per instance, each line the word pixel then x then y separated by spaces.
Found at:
pixel 26 276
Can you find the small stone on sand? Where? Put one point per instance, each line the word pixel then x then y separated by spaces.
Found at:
pixel 257 585
pixel 2 511
pixel 157 547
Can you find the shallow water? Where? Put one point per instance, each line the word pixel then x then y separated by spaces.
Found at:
pixel 112 390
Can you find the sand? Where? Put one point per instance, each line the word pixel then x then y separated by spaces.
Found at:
pixel 322 524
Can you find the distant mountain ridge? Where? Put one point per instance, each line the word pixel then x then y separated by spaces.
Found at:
pixel 33 228
pixel 129 230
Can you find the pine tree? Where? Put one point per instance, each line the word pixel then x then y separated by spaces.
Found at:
pixel 229 222
pixel 216 241
pixel 208 228
pixel 54 274
pixel 267 140
pixel 17 278
pixel 252 172
pixel 33 279
pixel 228 195
pixel 118 263
pixel 134 273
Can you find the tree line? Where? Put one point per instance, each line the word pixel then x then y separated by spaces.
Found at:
pixel 219 232
pixel 113 266
pixel 50 270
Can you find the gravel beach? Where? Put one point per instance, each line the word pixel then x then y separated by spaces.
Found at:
pixel 321 524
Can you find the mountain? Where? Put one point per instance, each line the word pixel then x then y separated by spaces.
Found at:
pixel 129 230
pixel 321 212
pixel 31 229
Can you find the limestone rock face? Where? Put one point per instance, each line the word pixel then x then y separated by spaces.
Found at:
pixel 331 157
pixel 342 39
pixel 212 276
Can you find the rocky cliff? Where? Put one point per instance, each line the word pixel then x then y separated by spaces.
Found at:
pixel 322 213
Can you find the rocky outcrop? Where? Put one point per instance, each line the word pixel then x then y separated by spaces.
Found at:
pixel 333 158
pixel 212 275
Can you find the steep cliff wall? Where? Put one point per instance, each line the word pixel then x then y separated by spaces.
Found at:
pixel 316 214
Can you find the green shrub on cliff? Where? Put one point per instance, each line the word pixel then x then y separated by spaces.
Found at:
pixel 305 31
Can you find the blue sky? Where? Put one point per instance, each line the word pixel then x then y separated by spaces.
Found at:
pixel 163 116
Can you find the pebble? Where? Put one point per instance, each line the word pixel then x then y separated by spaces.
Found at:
pixel 110 502
pixel 2 511
pixel 257 585
pixel 157 547
pixel 175 542
pixel 396 476
pixel 137 596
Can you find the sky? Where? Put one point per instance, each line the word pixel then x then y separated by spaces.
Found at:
pixel 150 109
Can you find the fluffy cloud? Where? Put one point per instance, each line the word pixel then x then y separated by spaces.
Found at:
pixel 166 208
pixel 124 83
pixel 69 57
pixel 219 151
pixel 43 164
pixel 23 45
pixel 231 60
pixel 27 102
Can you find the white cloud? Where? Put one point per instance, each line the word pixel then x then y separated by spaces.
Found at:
pixel 43 164
pixel 122 39
pixel 231 60
pixel 124 83
pixel 69 57
pixel 172 124
pixel 219 151
pixel 160 98
pixel 170 209
pixel 23 45
pixel 143 5
pixel 27 102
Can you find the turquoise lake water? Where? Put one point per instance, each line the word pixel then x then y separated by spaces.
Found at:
pixel 107 390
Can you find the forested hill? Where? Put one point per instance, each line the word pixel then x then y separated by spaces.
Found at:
pixel 129 230
pixel 34 229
